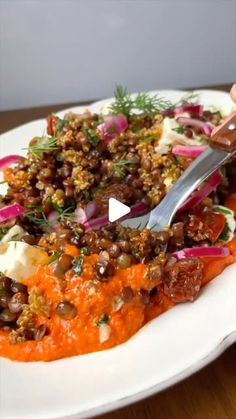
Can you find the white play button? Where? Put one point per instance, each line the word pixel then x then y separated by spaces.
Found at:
pixel 116 209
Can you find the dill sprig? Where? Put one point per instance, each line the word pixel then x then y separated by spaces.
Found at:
pixel 147 139
pixel 91 135
pixel 122 166
pixel 55 254
pixel 191 97
pixel 142 102
pixel 65 214
pixel 37 216
pixel 42 145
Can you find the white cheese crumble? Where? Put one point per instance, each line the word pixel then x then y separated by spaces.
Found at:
pixel 14 233
pixel 169 137
pixel 19 260
pixel 104 332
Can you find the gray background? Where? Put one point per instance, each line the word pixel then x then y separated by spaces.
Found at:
pixel 55 51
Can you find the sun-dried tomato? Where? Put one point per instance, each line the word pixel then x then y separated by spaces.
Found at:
pixel 52 124
pixel 182 280
pixel 204 225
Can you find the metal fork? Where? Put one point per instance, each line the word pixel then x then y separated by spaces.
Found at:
pixel 201 168
pixel 222 148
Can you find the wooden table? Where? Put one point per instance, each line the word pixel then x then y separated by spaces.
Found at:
pixel 208 394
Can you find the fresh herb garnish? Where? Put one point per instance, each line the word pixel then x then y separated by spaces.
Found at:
pixel 86 195
pixel 55 255
pixel 66 214
pixel 111 129
pixel 3 231
pixel 3 181
pixel 175 159
pixel 191 97
pixel 60 125
pixel 103 320
pixel 85 251
pixel 42 145
pixel 225 235
pixel 204 138
pixel 99 121
pixel 91 136
pixel 227 232
pixel 37 216
pixel 78 265
pixel 122 165
pixel 222 210
pixel 147 139
pixel 142 102
pixel 179 130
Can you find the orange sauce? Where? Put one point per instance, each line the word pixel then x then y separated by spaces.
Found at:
pixel 81 334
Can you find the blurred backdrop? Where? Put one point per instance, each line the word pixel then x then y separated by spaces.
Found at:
pixel 58 51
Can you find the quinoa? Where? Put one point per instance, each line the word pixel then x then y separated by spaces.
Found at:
pixel 66 181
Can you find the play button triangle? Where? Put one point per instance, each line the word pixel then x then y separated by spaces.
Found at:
pixel 116 209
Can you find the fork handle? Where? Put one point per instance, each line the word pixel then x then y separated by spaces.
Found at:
pixel 199 170
pixel 225 136
pixel 222 148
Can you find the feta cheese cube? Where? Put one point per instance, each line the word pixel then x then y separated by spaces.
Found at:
pixel 19 260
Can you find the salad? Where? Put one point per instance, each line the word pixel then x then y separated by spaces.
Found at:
pixel 71 282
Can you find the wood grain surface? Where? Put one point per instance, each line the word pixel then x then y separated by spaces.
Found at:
pixel 208 394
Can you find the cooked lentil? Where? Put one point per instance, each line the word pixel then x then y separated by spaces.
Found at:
pixel 120 271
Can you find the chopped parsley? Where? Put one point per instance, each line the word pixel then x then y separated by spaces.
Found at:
pixel 204 138
pixel 54 256
pixel 85 251
pixel 103 320
pixel 99 121
pixel 147 139
pixel 179 130
pixel 91 136
pixel 3 231
pixel 111 129
pixel 86 195
pixel 136 129
pixel 226 233
pixel 78 265
pixel 175 159
pixel 60 125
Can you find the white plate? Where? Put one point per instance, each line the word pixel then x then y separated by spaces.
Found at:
pixel 168 349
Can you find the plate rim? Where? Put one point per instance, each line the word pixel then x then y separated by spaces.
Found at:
pixel 219 348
